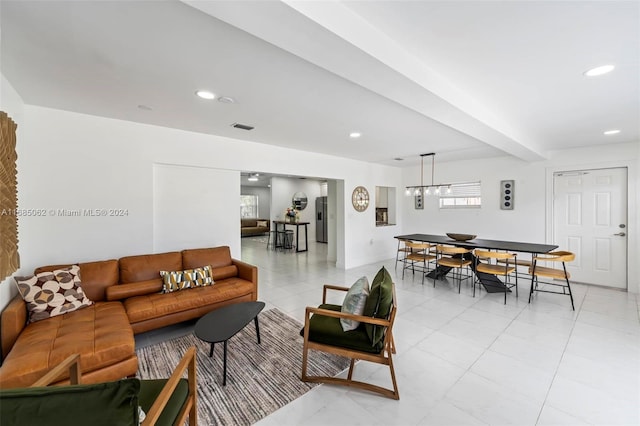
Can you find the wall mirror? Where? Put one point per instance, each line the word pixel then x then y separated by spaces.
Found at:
pixel 299 200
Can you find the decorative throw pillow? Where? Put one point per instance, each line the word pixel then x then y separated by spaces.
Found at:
pixel 378 304
pixel 48 294
pixel 261 223
pixel 189 278
pixel 354 303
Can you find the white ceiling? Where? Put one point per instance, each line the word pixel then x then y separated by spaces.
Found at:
pixel 464 79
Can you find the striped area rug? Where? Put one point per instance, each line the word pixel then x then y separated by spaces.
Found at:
pixel 260 377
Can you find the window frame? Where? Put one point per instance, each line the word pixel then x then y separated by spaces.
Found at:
pixel 253 206
pixel 468 193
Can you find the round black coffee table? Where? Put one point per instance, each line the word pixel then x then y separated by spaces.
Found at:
pixel 224 323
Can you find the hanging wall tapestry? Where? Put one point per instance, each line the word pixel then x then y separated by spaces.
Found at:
pixel 9 258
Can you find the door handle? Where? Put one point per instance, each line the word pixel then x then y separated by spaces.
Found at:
pixel 620 234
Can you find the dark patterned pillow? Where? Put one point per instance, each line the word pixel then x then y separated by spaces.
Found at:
pixel 48 294
pixel 189 278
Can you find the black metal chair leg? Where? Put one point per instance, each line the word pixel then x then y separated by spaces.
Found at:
pixel 255 320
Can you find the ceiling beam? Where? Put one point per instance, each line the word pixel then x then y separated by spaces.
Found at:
pixel 333 37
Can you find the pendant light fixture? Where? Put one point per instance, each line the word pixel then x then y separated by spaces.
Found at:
pixel 432 189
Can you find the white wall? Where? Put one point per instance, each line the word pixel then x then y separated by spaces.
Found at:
pixel 12 104
pixel 75 161
pixel 528 221
pixel 264 199
pixel 187 210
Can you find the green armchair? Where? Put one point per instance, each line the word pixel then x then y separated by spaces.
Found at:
pixel 165 401
pixel 372 341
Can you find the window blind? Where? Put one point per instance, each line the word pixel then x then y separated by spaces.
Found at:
pixel 462 190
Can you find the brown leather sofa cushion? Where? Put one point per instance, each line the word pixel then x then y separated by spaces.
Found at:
pixel 141 308
pixel 217 257
pixel 95 277
pixel 100 333
pixel 224 272
pixel 148 266
pixel 122 291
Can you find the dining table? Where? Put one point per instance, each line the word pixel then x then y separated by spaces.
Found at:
pixel 490 282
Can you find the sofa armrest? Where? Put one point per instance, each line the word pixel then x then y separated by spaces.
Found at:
pixel 12 322
pixel 123 291
pixel 246 271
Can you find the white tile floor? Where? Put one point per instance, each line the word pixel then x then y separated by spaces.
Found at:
pixel 470 361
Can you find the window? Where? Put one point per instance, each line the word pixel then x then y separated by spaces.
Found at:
pixel 249 206
pixel 462 196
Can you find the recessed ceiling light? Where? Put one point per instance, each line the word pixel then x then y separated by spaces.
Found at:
pixel 205 94
pixel 355 135
pixel 253 178
pixel 612 132
pixel 226 100
pixel 594 72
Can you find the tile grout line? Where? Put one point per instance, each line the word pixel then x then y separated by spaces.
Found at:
pixel 555 373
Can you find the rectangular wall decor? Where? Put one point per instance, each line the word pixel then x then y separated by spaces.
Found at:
pixel 9 258
pixel 419 202
pixel 507 194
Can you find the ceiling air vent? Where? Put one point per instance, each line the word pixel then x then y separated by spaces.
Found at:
pixel 242 126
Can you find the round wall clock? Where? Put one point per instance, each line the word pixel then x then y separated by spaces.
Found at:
pixel 360 198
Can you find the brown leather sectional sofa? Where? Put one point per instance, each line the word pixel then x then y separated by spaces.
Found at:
pixel 127 300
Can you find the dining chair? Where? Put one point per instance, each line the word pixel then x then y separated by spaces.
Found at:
pixel 491 266
pixel 455 258
pixel 402 250
pixel 420 253
pixel 538 271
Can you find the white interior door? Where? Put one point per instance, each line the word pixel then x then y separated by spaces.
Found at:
pixel 590 220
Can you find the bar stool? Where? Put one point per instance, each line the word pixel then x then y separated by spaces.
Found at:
pixel 287 244
pixel 272 240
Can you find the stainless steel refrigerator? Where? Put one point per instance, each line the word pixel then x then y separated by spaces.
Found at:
pixel 321 219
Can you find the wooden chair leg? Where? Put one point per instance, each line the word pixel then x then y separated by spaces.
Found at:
pixel 396 394
pixel 305 352
pixel 353 361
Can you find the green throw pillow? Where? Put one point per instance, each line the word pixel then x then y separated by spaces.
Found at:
pixel 108 404
pixel 378 304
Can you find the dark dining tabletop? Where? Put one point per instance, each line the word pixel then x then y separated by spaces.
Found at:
pixel 517 246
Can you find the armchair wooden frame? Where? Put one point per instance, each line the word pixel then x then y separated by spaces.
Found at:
pixel 383 357
pixel 188 362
